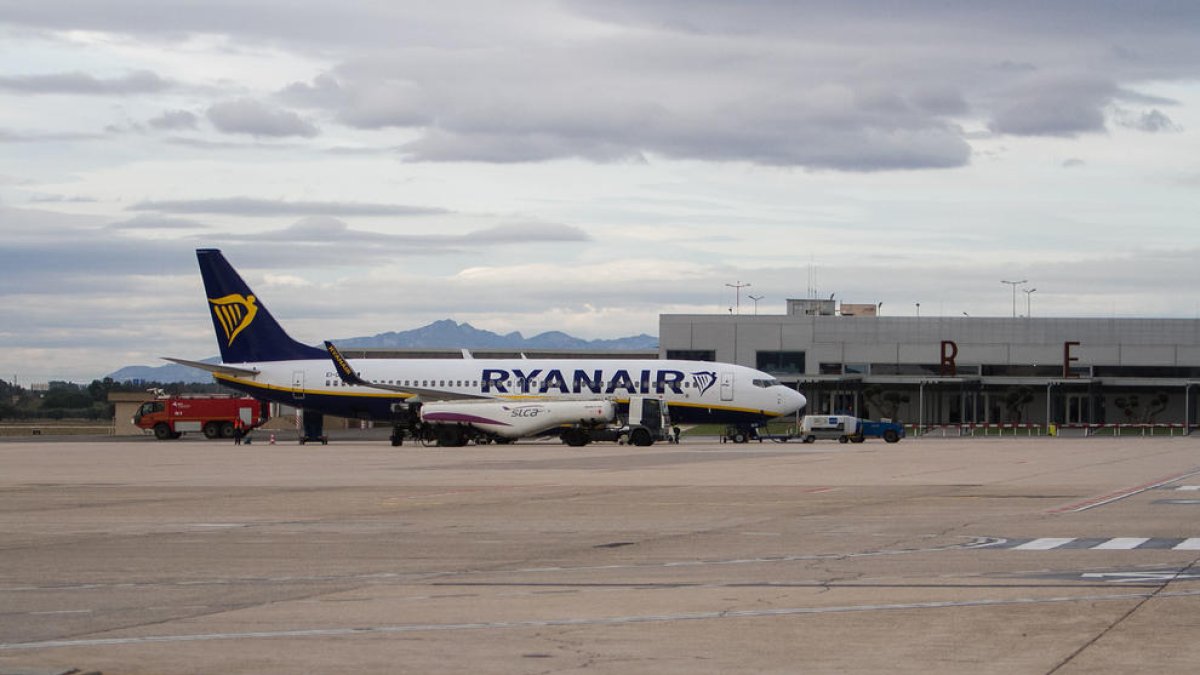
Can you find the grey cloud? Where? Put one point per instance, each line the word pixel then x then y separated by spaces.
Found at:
pixel 60 199
pixel 8 136
pixel 52 253
pixel 174 119
pixel 1152 121
pixel 374 103
pixel 447 146
pixel 304 23
pixel 325 229
pixel 528 232
pixel 633 109
pixel 247 116
pixel 248 206
pixel 1057 106
pixel 138 82
pixel 855 86
pixel 1137 97
pixel 148 221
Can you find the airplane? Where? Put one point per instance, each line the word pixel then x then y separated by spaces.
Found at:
pixel 259 358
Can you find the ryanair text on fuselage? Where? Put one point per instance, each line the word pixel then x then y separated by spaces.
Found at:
pixel 597 381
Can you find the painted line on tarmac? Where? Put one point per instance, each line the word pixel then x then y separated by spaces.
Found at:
pixel 975 543
pixel 1096 544
pixel 597 621
pixel 422 577
pixel 1124 493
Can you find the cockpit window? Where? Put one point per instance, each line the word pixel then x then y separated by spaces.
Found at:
pixel 765 384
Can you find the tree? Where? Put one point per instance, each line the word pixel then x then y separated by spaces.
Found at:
pixel 887 402
pixel 1015 400
pixel 99 389
pixel 1131 407
pixel 66 397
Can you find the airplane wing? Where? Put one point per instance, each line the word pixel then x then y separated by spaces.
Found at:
pixel 347 375
pixel 218 368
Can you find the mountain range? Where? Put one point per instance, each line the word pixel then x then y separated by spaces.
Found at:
pixel 444 334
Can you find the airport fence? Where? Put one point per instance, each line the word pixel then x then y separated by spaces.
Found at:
pixel 1042 430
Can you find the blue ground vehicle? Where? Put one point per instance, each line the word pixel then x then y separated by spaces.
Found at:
pixel 847 429
pixel 888 431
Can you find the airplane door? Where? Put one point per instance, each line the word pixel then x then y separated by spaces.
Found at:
pixel 726 386
pixel 298 384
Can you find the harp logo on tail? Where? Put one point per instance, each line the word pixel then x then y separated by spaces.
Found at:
pixel 234 313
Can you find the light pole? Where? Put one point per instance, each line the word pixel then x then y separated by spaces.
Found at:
pixel 756 298
pixel 1028 293
pixel 1014 285
pixel 739 286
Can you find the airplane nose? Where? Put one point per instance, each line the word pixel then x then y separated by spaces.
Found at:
pixel 795 401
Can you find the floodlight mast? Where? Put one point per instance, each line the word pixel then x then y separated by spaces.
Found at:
pixel 1014 285
pixel 756 298
pixel 739 286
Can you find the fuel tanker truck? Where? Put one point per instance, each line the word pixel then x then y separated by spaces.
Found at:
pixel 577 423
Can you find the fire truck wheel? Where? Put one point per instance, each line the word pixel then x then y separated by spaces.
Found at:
pixel 163 432
pixel 212 430
pixel 227 429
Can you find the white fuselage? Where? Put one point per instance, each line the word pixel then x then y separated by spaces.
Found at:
pixel 694 390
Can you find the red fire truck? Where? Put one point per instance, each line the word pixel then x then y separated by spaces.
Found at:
pixel 171 416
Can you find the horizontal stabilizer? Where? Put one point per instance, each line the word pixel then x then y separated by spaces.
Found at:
pixel 213 367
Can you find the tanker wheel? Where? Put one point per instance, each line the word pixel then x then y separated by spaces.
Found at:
pixel 212 430
pixel 843 439
pixel 162 431
pixel 451 437
pixel 810 439
pixel 640 437
pixel 575 438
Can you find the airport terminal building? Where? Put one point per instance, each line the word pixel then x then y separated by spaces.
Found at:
pixel 935 371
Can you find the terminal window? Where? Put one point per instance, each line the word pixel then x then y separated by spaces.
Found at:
pixel 785 363
pixel 692 354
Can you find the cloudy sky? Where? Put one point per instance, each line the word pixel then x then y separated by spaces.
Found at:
pixel 583 166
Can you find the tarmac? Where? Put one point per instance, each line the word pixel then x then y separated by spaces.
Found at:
pixel 1064 556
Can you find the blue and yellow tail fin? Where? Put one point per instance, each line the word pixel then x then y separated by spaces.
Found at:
pixel 246 331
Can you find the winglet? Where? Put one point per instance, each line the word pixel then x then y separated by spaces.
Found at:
pixel 348 376
pixel 342 366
